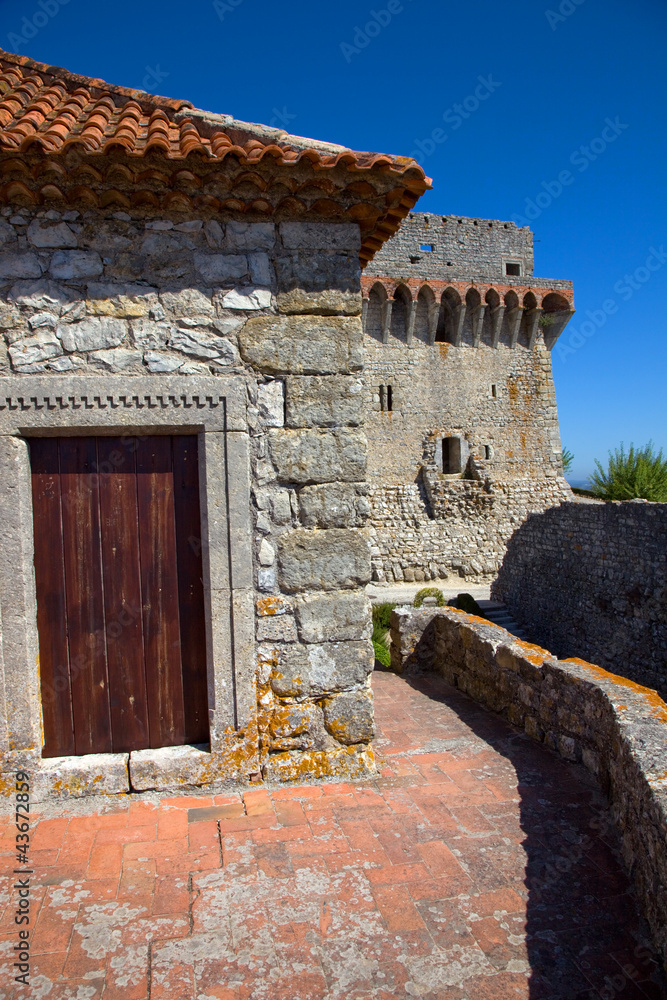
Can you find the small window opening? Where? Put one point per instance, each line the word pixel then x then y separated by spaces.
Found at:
pixel 487 452
pixel 386 398
pixel 494 391
pixel 426 247
pixel 451 456
pixel 512 269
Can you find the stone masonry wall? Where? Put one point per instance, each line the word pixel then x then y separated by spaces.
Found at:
pixel 474 247
pixel 590 579
pixel 616 728
pixel 501 402
pixel 279 305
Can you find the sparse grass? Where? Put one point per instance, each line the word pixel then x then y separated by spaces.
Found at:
pixel 381 623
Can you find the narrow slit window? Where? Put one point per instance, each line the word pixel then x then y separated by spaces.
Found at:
pixel 390 399
pixel 487 452
pixel 383 398
pixel 494 391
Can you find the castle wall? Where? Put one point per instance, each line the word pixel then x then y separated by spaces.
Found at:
pixel 474 247
pixel 127 326
pixel 590 580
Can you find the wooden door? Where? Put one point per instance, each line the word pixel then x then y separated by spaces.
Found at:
pixel 120 604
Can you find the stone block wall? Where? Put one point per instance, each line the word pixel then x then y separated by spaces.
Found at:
pixel 276 306
pixel 616 728
pixel 474 247
pixel 590 579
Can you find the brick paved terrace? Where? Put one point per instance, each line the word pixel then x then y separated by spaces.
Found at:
pixel 478 866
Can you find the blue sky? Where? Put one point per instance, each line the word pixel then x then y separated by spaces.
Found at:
pixel 557 72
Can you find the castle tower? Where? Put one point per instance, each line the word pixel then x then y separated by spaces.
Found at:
pixel 462 422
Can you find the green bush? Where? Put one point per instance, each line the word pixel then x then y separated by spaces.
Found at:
pixel 568 459
pixel 382 654
pixel 641 473
pixel 429 592
pixel 381 623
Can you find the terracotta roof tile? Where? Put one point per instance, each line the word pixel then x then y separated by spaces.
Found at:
pixel 48 111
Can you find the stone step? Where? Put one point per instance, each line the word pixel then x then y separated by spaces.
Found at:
pixel 501 616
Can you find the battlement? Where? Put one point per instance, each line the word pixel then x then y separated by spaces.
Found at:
pixel 429 246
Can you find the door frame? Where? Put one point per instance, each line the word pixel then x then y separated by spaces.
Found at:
pixel 212 407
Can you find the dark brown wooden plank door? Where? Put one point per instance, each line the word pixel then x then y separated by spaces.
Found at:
pixel 84 595
pixel 51 605
pixel 159 586
pixel 190 588
pixel 119 593
pixel 122 593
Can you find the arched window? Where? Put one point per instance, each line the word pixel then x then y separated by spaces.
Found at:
pixel 425 303
pixel 376 300
pixel 400 313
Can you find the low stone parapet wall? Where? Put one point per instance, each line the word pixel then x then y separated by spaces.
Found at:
pixel 616 728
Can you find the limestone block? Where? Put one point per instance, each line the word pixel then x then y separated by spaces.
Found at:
pixel 19 265
pixel 314 671
pixel 320 236
pixel 298 727
pixel 165 243
pixel 336 617
pixel 31 350
pixel 250 235
pixel 306 456
pixel 92 334
pixel 193 226
pixel 9 316
pixel 160 364
pixel 51 235
pixel 68 264
pixel 324 401
pixel 281 508
pixel 7 233
pixel 92 774
pixel 201 342
pixel 216 268
pixel 333 505
pixel 267 553
pixel 190 302
pixel 277 629
pixel 169 767
pixel 329 302
pixel 348 763
pixel 261 272
pixel 149 335
pixel 323 560
pixel 349 716
pixel 115 359
pixel 43 319
pixel 271 403
pixel 303 345
pixel 315 272
pixel 249 298
pixel 214 234
pixel 41 296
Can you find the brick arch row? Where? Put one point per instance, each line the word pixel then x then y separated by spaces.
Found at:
pixel 458 313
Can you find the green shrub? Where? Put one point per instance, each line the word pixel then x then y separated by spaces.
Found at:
pixel 568 459
pixel 382 654
pixel 467 603
pixel 641 473
pixel 381 623
pixel 429 592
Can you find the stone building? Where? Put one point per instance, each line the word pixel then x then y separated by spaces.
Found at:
pixel 182 453
pixel 461 423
